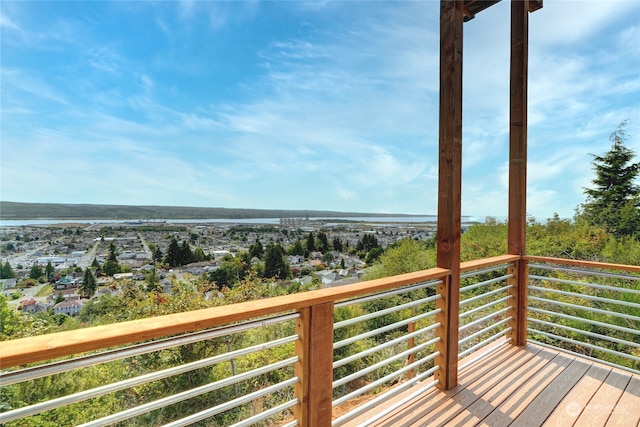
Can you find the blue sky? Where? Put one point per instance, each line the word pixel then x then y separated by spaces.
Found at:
pixel 329 105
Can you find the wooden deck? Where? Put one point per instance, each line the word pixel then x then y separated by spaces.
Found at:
pixel 527 386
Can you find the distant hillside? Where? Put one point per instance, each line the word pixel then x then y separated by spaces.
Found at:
pixel 18 211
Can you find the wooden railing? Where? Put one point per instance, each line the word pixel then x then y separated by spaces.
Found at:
pixel 313 347
pixel 313 340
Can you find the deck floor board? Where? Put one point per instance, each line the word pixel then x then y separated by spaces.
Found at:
pixel 527 386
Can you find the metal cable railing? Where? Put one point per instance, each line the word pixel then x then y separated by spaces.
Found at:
pixel 484 309
pixel 390 358
pixel 586 311
pixel 223 373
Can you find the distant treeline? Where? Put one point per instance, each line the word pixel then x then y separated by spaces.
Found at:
pixel 18 211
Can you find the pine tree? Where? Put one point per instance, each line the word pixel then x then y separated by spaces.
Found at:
pixel 6 272
pixel 89 284
pixel 111 266
pixel 256 250
pixel 613 203
pixel 173 253
pixel 36 272
pixel 49 271
pixel 275 264
pixel 311 246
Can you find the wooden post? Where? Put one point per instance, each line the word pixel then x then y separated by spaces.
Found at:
pixel 315 367
pixel 450 186
pixel 518 164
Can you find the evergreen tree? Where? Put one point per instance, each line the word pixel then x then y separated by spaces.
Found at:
pixel 89 284
pixel 157 254
pixel 49 271
pixel 173 253
pixel 256 250
pixel 613 203
pixel 275 264
pixel 113 254
pixel 368 242
pixel 324 242
pixel 6 272
pixel 337 244
pixel 311 245
pixel 185 254
pixel 297 248
pixel 36 272
pixel 111 266
pixel 95 264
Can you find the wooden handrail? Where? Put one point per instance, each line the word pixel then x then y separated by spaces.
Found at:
pixel 579 263
pixel 487 262
pixel 44 347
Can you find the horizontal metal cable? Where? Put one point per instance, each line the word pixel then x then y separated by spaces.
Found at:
pixel 583 356
pixel 585 296
pixel 583 344
pixel 484 354
pixel 587 333
pixel 483 331
pixel 7 378
pixel 188 394
pixel 586 272
pixel 293 423
pixel 483 343
pixel 385 362
pixel 486 283
pixel 584 320
pixel 384 312
pixel 392 292
pixel 389 394
pixel 382 346
pixel 590 309
pixel 485 270
pixel 484 319
pixel 142 379
pixel 387 328
pixel 203 415
pixel 485 295
pixel 486 306
pixel 385 379
pixel 266 414
pixel 587 284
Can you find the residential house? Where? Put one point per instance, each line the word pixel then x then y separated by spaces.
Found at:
pixel 70 308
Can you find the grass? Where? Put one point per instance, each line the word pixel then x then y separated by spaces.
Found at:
pixel 45 290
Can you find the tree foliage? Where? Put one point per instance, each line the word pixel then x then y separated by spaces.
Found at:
pixel 614 200
pixel 89 284
pixel 275 264
pixel 6 272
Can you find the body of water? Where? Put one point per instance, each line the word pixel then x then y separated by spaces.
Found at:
pixel 272 221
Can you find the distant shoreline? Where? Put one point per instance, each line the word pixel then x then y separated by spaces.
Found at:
pixel 18 211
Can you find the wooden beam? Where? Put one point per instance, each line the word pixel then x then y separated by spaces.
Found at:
pixel 450 183
pixel 518 159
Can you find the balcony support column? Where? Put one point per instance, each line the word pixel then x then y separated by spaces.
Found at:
pixel 450 186
pixel 518 163
pixel 314 348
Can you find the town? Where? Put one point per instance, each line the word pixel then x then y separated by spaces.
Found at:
pixel 43 266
